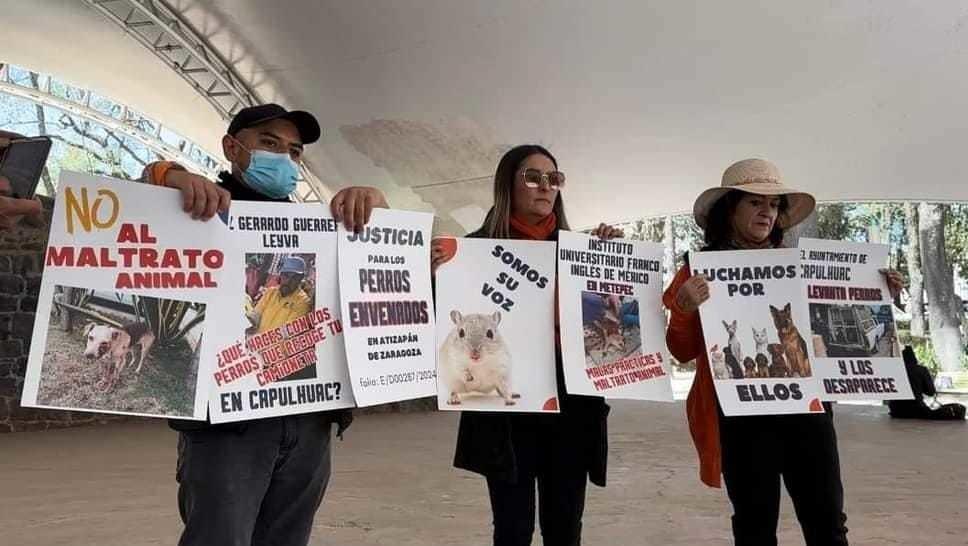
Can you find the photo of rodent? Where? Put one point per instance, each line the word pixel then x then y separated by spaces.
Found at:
pixel 475 360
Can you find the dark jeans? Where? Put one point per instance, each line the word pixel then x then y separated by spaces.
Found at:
pixel 257 486
pixel 802 449
pixel 543 456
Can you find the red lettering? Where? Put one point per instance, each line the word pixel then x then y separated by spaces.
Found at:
pixel 192 254
pixel 64 258
pixel 213 259
pixel 171 259
pixel 146 236
pixel 148 257
pixel 127 234
pixel 86 257
pixel 127 255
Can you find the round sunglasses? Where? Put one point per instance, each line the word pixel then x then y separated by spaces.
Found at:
pixel 533 178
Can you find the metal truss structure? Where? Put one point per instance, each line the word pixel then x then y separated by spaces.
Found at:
pixel 125 124
pixel 163 31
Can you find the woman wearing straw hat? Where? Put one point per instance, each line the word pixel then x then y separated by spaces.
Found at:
pixel 751 210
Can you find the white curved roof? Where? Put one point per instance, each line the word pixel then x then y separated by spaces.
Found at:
pixel 644 102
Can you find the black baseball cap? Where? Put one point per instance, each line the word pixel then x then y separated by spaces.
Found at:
pixel 305 122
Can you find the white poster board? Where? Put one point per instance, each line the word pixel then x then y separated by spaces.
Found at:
pixel 756 328
pixel 387 304
pixel 139 278
pixel 612 321
pixel 279 337
pixel 496 326
pixel 854 335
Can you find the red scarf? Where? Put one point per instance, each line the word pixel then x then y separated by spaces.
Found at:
pixel 540 232
pixel 537 232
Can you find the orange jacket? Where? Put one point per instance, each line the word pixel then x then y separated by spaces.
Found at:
pixel 685 340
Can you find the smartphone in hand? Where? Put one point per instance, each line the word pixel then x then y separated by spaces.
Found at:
pixel 22 163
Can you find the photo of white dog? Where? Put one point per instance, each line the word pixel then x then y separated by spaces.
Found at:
pixel 119 352
pixel 116 346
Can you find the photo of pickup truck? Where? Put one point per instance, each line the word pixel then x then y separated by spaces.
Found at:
pixel 853 330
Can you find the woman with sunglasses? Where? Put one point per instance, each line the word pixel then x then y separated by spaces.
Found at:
pixel 751 210
pixel 560 452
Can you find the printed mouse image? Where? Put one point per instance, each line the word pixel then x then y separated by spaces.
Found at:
pixel 475 359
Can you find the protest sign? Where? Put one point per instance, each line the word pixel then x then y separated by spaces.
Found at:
pixel 279 340
pixel 495 326
pixel 854 336
pixel 134 280
pixel 612 322
pixel 387 305
pixel 756 328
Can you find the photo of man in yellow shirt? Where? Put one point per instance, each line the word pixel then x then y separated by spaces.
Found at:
pixel 282 304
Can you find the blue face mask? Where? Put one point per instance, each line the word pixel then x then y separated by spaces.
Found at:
pixel 271 174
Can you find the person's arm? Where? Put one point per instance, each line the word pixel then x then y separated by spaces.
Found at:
pixel 304 307
pixel 683 333
pixel 255 316
pixel 201 198
pixel 264 300
pixel 13 210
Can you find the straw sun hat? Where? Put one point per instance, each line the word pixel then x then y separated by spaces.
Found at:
pixel 761 177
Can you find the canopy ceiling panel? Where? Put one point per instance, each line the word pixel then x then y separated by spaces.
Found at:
pixel 76 44
pixel 644 103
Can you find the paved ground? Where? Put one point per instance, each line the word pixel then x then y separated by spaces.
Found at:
pixel 907 483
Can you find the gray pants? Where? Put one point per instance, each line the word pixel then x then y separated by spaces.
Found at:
pixel 256 486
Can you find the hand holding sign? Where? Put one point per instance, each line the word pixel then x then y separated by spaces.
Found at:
pixel 354 205
pixel 605 231
pixel 442 249
pixel 895 282
pixel 201 198
pixel 693 293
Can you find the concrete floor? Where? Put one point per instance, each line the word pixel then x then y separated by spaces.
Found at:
pixel 907 483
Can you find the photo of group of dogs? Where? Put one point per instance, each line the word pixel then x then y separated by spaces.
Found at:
pixel 786 358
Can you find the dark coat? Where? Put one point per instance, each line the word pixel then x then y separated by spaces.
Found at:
pixel 485 442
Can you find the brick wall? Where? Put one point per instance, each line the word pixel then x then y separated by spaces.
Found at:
pixel 21 266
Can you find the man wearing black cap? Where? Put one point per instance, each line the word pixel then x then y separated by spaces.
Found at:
pixel 258 482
